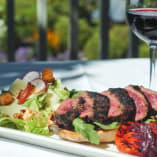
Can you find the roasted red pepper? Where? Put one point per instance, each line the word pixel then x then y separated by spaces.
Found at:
pixel 125 140
pixel 137 139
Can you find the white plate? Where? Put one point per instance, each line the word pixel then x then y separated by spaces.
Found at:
pixel 56 143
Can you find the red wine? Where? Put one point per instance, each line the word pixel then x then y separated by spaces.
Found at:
pixel 143 22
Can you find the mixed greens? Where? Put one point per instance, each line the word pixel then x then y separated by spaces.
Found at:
pixel 33 125
pixel 31 115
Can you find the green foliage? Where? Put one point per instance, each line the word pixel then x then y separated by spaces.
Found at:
pixel 143 50
pixel 3 28
pixel 92 47
pixel 57 9
pixel 151 4
pixel 58 21
pixel 86 7
pixel 119 40
pixel 118 43
pixel 2 9
pixel 62 27
pixel 25 17
pixel 85 32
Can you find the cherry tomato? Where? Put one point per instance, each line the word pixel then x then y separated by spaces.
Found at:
pixel 24 94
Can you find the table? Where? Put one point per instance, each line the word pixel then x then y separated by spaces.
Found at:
pixel 81 75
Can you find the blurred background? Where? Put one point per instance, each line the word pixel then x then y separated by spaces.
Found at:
pixel 57 28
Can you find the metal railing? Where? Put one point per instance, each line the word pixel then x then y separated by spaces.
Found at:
pixel 74 30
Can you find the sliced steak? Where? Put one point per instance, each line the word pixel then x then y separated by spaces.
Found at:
pixel 89 106
pixel 116 108
pixel 122 107
pixel 66 106
pixel 142 106
pixel 68 110
pixel 151 96
pixel 96 107
pixel 151 111
pixel 126 101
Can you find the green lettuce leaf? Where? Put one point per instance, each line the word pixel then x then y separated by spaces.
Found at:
pixel 34 125
pixel 86 130
pixel 37 126
pixel 46 112
pixel 74 94
pixel 110 126
pixel 59 91
pixel 12 123
pixel 152 119
pixel 32 103
pixel 36 103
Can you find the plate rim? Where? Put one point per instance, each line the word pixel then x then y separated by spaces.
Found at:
pixel 57 144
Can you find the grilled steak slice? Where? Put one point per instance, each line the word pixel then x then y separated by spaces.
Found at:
pixel 96 107
pixel 128 103
pixel 116 108
pixel 151 97
pixel 90 106
pixel 68 110
pixel 142 106
pixel 122 107
pixel 151 111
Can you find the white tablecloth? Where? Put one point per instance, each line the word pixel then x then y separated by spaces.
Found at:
pixel 94 75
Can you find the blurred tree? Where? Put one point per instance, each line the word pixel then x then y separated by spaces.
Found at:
pixel 91 47
pixel 2 9
pixel 58 27
pixel 3 28
pixel 86 8
pixel 150 4
pixel 62 26
pixel 143 50
pixel 118 43
pixel 25 17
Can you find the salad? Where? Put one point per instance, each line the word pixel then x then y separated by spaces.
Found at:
pixel 27 103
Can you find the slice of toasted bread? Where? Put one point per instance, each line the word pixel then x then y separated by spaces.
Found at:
pixel 105 135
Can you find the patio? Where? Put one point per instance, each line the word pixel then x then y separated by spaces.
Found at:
pixel 81 57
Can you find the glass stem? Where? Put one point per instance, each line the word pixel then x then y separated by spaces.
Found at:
pixel 153 55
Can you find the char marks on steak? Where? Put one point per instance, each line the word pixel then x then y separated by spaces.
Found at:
pixel 90 106
pixel 122 107
pixel 128 103
pixel 68 110
pixel 142 106
pixel 116 104
pixel 151 97
pixel 116 109
pixel 151 111
pixel 96 107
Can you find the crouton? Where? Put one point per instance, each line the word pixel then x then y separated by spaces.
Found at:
pixel 6 98
pixel 47 75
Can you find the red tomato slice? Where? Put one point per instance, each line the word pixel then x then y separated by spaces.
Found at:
pixel 125 139
pixel 24 94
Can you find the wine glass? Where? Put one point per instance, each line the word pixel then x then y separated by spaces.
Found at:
pixel 142 18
